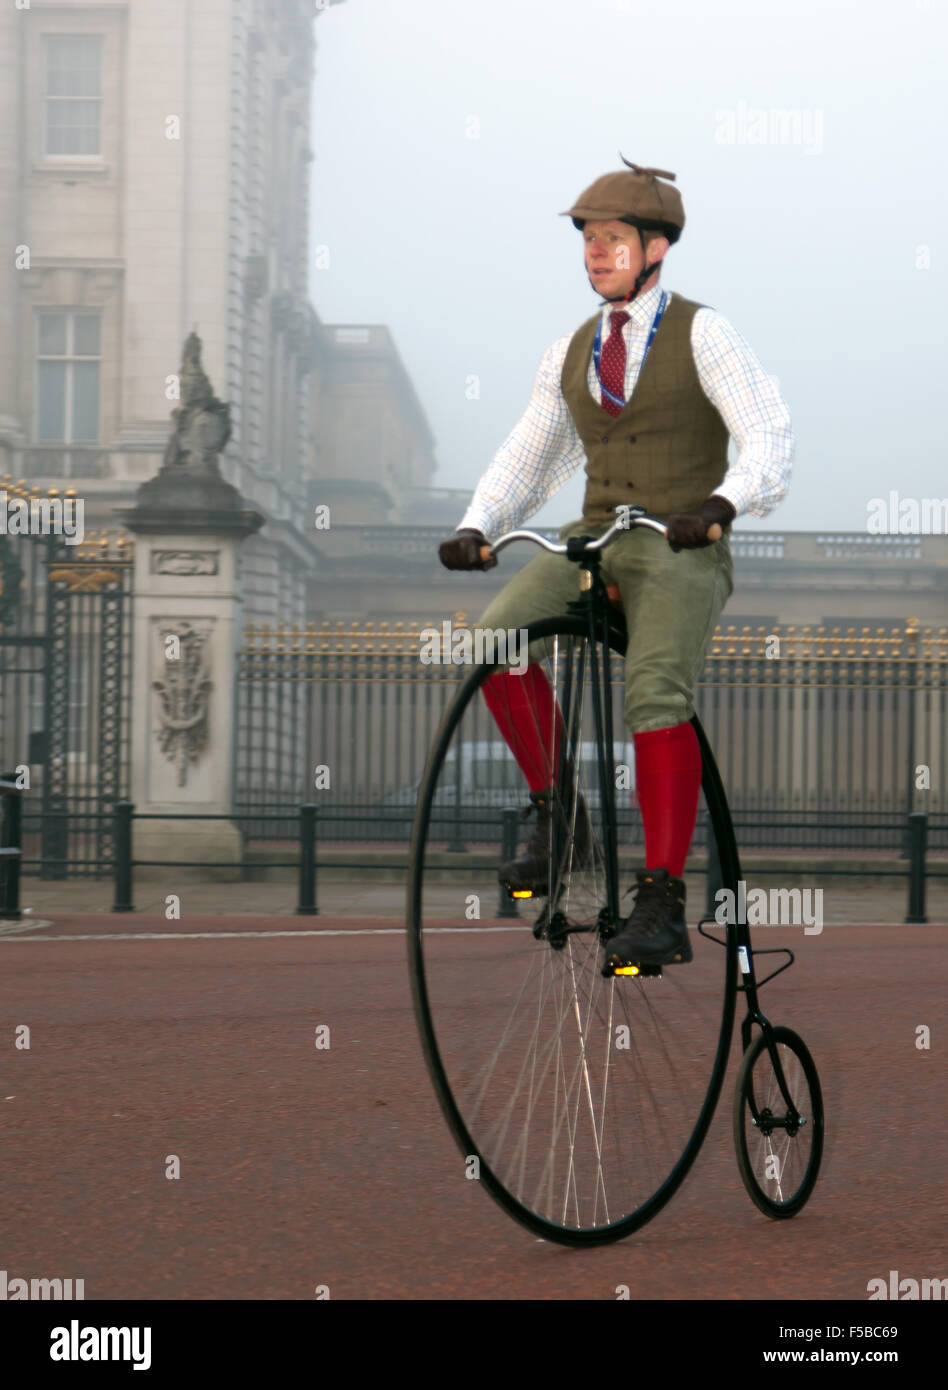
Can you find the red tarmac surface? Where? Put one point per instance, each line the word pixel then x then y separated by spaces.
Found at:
pixel 303 1167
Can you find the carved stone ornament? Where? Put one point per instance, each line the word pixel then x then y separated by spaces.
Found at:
pixel 184 692
pixel 185 561
pixel 188 494
pixel 201 422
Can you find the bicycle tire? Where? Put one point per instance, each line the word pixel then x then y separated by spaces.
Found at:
pixel 755 1095
pixel 435 1036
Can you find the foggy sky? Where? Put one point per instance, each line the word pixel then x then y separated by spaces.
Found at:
pixel 813 243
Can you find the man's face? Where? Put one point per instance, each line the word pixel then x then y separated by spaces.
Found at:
pixel 613 256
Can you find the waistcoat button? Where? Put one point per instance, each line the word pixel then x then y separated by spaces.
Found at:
pixel 605 482
pixel 604 439
pixel 631 438
pixel 630 484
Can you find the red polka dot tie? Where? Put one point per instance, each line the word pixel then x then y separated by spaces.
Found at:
pixel 612 362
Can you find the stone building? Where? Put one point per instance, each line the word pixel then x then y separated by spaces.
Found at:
pixel 384 572
pixel 371 448
pixel 154 180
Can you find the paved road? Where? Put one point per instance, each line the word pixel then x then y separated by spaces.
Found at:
pixel 303 1167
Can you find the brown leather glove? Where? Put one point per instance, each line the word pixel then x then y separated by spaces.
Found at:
pixel 463 552
pixel 689 530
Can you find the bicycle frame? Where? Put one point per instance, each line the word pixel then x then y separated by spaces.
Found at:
pixel 593 602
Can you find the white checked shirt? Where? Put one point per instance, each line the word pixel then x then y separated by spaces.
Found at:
pixel 544 450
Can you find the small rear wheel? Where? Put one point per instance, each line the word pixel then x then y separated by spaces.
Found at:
pixel 779 1145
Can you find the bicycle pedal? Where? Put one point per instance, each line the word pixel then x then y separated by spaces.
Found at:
pixel 641 971
pixel 520 891
pixel 537 891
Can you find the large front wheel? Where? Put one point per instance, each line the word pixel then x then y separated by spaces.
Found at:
pixel 579 1100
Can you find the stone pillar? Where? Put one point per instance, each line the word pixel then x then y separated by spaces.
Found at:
pixel 189 524
pixel 12 342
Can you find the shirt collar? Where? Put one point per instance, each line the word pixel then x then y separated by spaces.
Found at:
pixel 641 311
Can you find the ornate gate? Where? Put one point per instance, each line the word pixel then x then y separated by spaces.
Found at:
pixel 65 643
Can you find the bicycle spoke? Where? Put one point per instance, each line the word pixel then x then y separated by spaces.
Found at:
pixel 581 1093
pixel 778 1145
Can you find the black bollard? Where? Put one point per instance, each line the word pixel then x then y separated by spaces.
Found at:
pixel 507 906
pixel 307 903
pixel 713 882
pixel 123 857
pixel 11 842
pixel 918 840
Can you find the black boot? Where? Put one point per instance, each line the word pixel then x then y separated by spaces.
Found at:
pixel 530 872
pixel 655 932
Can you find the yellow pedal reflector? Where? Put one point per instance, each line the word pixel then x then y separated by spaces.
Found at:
pixel 626 970
pixel 521 893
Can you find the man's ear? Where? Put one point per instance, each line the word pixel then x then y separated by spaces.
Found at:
pixel 655 251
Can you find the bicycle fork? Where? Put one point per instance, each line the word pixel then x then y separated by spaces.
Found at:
pixel 749 986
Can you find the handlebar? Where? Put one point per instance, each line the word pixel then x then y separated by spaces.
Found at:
pixel 622 523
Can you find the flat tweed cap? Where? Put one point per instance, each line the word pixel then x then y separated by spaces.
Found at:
pixel 632 192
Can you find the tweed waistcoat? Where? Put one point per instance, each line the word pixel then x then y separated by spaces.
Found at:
pixel 666 450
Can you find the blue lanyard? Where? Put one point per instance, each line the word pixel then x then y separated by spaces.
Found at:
pixel 597 346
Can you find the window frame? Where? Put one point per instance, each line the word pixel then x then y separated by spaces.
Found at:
pixel 69 357
pixel 46 153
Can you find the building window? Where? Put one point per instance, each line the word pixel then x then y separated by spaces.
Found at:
pixel 67 377
pixel 73 94
pixel 352 337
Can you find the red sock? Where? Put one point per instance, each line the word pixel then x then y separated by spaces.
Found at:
pixel 526 713
pixel 667 782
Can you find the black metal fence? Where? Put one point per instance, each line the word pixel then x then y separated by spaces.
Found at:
pixel 11 847
pixel 495 829
pixel 65 646
pixel 825 740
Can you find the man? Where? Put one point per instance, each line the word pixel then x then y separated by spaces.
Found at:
pixel 646 393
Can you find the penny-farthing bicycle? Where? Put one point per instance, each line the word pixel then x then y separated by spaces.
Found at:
pixel 580 1095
